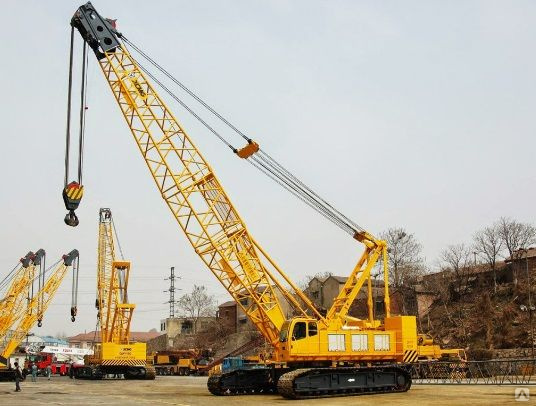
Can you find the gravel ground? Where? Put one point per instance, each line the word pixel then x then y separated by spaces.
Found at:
pixel 184 391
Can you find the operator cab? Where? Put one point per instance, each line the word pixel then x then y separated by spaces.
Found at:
pixel 298 329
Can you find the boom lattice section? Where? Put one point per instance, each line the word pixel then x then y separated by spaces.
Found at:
pixel 194 194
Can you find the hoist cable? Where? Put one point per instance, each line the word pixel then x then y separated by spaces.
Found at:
pixel 185 106
pixel 307 188
pixel 42 274
pixel 74 287
pixel 9 277
pixel 261 160
pixel 186 89
pixel 117 239
pixel 69 93
pixel 293 190
pixel 305 193
pixel 47 269
pixel 82 111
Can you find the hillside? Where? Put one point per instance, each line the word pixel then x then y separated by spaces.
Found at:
pixel 482 320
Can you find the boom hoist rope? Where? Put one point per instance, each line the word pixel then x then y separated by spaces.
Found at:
pixel 74 190
pixel 257 157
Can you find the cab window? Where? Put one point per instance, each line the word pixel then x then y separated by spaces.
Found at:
pixel 299 331
pixel 312 329
pixel 284 332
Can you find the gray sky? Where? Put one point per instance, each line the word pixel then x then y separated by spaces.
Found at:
pixel 416 114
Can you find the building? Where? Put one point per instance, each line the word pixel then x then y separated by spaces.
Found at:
pixel 174 326
pixel 227 315
pixel 179 332
pixel 235 318
pixel 323 291
pixel 314 291
pixel 87 340
pixel 522 263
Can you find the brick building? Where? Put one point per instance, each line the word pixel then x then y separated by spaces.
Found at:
pixel 234 317
pixel 227 315
pixel 323 291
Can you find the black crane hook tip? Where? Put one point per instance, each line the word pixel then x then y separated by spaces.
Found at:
pixel 71 219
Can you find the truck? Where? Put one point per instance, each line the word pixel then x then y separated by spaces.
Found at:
pixel 44 360
pixel 180 362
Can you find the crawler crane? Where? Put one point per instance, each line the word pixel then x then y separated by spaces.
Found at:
pixel 34 310
pixel 20 290
pixel 313 355
pixel 115 354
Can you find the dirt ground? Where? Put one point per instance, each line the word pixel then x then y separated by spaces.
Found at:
pixel 192 391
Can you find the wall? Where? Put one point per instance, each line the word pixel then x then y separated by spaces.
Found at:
pixel 228 317
pixel 330 290
pixel 513 353
pixel 314 292
pixel 159 343
pixel 424 303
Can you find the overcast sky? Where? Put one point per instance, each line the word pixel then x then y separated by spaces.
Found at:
pixel 417 114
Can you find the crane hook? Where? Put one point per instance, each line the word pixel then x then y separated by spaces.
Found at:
pixel 72 194
pixel 71 219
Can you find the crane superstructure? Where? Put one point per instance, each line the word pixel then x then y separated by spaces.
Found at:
pixel 115 354
pixel 312 353
pixel 39 301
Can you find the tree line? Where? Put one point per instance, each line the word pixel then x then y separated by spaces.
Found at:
pixel 505 238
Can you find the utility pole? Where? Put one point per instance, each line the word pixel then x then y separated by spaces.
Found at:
pixel 531 308
pixel 171 291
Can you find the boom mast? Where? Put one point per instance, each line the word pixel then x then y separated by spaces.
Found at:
pixel 114 311
pixel 19 291
pixel 188 184
pixel 39 303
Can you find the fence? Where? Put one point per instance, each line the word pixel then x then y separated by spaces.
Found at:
pixel 493 372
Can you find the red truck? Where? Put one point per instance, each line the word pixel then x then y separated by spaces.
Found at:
pixel 44 360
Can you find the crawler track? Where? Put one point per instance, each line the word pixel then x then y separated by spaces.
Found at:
pixel 333 382
pixel 311 383
pixel 242 382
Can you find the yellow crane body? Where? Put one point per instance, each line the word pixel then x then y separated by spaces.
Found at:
pixel 219 236
pixel 14 302
pixel 39 303
pixel 115 354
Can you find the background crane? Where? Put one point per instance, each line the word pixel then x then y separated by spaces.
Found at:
pixel 38 304
pixel 18 285
pixel 115 354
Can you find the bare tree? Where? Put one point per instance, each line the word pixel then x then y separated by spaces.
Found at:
pixel 457 260
pixel 197 304
pixel 404 252
pixel 516 236
pixel 488 244
pixel 304 283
